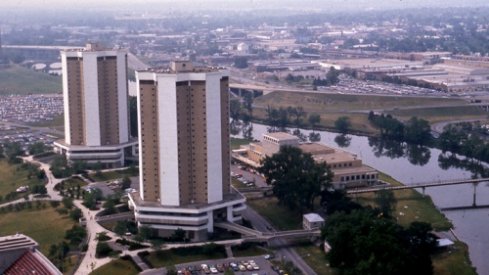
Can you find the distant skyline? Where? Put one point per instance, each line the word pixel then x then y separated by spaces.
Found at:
pixel 247 4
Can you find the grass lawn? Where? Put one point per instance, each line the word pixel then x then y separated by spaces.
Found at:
pixel 168 258
pixel 455 261
pixel 434 115
pixel 45 225
pixel 119 266
pixel 19 80
pixel 13 176
pixel 315 258
pixel 74 182
pixel 356 107
pixel 236 142
pixel 252 250
pixel 411 206
pixel 281 217
pixel 111 175
pixel 317 102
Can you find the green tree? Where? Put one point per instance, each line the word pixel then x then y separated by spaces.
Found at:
pixel 125 183
pixel 386 201
pixel 297 180
pixel 76 214
pixel 342 124
pixel 12 151
pixel 332 76
pixel 418 131
pixel 37 148
pixel 363 243
pixel 241 62
pixel 67 203
pixel 178 235
pixel 120 228
pixel 76 234
pixel 314 120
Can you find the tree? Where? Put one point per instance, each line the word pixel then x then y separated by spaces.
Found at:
pixel 332 76
pixel 178 235
pixel 241 62
pixel 342 124
pixel 385 201
pixel 418 131
pixel 145 232
pixel 39 189
pixel 102 250
pixel 12 151
pixel 67 203
pixel 314 120
pixel 234 109
pixel 364 243
pixel 297 180
pixel 76 234
pixel 37 148
pixel 120 228
pixel 125 183
pixel 76 214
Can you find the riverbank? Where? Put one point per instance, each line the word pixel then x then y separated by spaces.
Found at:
pixel 471 225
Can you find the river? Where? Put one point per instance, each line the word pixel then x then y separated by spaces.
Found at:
pixel 471 226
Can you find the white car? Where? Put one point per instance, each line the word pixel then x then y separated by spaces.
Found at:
pixel 214 270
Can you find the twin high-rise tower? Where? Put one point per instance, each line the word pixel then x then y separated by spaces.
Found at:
pixel 183 123
pixel 96 113
pixel 184 151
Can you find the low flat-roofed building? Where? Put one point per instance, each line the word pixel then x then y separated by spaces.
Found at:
pixel 348 169
pixel 312 221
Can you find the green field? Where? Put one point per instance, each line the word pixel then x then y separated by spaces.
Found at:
pixel 317 102
pixel 45 225
pixel 356 107
pixel 454 262
pixel 249 250
pixel 111 175
pixel 410 206
pixel 13 176
pixel 442 113
pixel 281 217
pixel 315 258
pixel 20 80
pixel 118 266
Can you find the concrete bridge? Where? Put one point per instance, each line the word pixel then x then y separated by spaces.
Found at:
pixel 252 235
pixel 423 186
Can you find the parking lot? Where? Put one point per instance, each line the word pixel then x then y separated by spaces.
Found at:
pixel 246 176
pixel 263 266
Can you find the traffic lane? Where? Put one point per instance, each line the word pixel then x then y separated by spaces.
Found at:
pixel 249 176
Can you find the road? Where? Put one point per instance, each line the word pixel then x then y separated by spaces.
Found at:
pixel 283 252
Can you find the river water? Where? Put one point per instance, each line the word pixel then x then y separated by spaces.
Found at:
pixel 471 226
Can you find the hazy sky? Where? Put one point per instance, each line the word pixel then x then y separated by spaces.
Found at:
pixel 212 4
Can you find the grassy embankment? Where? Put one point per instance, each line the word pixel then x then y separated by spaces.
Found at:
pixel 412 205
pixel 118 266
pixel 117 174
pixel 12 176
pixel 169 258
pixel 19 80
pixel 332 106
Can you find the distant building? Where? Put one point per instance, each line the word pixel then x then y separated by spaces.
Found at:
pixel 184 151
pixel 96 112
pixel 348 169
pixel 19 256
pixel 312 221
